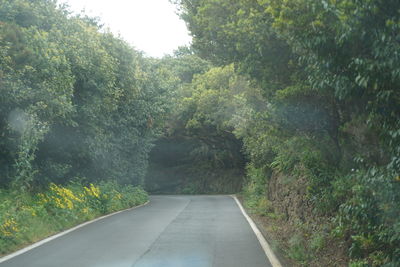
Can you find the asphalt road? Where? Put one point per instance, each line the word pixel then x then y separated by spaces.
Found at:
pixel 170 231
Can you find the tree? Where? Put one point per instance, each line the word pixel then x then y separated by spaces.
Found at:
pixel 75 102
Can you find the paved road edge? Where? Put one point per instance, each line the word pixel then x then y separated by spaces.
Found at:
pixel 263 242
pixel 50 238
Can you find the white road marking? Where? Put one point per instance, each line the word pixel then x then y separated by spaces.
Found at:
pixel 46 240
pixel 264 244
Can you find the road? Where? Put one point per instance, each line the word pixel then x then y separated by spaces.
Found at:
pixel 170 231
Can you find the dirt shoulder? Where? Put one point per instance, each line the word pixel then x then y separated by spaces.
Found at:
pixel 269 232
pixel 299 244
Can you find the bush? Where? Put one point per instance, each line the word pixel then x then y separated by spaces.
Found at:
pixel 26 218
pixel 369 216
pixel 297 249
pixel 255 190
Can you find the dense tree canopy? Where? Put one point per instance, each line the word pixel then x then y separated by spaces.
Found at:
pixel 329 76
pixel 294 94
pixel 75 102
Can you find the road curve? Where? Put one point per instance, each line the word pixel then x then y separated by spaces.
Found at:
pixel 171 231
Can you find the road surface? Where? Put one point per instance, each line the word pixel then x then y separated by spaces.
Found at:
pixel 170 231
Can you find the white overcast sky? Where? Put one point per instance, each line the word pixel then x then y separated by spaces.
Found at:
pixel 151 26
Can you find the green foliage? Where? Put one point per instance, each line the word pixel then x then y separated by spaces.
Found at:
pixel 318 242
pixel 74 101
pixel 297 250
pixel 255 190
pixel 358 263
pixel 305 88
pixel 369 215
pixel 328 73
pixel 294 152
pixel 239 32
pixel 348 48
pixel 185 64
pixel 199 146
pixel 26 218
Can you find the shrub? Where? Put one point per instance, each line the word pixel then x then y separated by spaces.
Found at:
pixel 255 190
pixel 369 216
pixel 26 218
pixel 297 249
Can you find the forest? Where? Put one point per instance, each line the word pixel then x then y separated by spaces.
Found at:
pixel 291 104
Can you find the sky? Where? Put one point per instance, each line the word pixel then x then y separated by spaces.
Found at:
pixel 151 26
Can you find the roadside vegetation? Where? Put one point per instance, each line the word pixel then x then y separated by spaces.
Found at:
pixel 294 103
pixel 79 108
pixel 26 218
pixel 308 90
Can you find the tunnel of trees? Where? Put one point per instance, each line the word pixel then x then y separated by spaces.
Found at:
pixel 296 104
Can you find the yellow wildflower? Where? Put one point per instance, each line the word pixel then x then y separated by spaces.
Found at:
pixel 92 191
pixel 29 209
pixel 64 198
pixel 42 198
pixel 9 228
